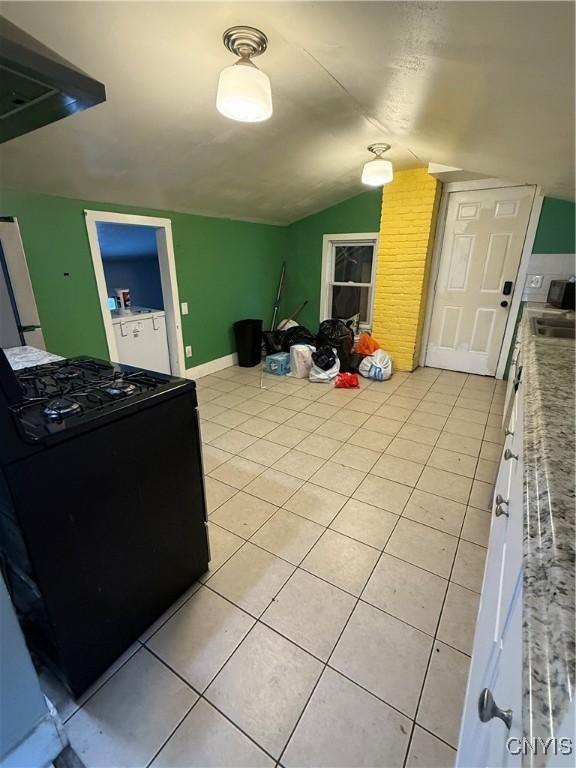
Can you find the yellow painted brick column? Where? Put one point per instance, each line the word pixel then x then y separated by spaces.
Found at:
pixel 409 209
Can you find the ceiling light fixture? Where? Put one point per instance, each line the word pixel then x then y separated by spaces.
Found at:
pixel 377 172
pixel 244 90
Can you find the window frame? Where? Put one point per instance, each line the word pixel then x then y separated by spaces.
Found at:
pixel 328 263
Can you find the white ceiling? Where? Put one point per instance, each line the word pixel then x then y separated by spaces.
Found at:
pixel 484 86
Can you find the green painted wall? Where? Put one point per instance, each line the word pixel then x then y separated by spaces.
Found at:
pixel 555 233
pixel 357 214
pixel 226 270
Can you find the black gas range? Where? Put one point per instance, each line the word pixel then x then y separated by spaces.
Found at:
pixel 71 394
pixel 102 506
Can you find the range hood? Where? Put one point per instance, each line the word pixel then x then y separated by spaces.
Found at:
pixel 37 86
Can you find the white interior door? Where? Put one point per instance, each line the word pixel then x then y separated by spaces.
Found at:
pixel 482 244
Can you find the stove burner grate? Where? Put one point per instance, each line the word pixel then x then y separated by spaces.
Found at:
pixel 66 373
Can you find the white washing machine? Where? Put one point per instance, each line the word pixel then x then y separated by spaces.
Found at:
pixel 141 339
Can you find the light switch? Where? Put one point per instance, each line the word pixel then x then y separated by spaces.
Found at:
pixel 534 281
pixel 184 308
pixel 188 350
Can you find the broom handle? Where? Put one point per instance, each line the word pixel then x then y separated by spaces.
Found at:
pixel 293 315
pixel 278 295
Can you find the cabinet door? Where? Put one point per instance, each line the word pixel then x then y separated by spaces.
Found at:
pixel 512 492
pixel 487 635
pixel 483 745
pixel 506 688
pixel 488 623
pixel 502 577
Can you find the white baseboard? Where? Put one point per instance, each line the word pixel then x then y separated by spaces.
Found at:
pixel 212 366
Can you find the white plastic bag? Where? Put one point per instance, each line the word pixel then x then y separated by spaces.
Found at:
pixel 377 366
pixel 301 360
pixel 285 324
pixel 324 377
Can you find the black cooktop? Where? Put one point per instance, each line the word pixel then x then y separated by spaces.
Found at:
pixel 60 395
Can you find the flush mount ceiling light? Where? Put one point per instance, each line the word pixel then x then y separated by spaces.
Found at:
pixel 377 172
pixel 244 90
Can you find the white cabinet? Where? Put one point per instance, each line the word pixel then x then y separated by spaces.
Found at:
pixel 497 656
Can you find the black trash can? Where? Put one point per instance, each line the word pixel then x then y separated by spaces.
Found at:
pixel 248 336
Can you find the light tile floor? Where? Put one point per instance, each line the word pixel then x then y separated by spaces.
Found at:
pixel 348 532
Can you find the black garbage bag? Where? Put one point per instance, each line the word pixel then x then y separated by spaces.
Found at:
pixel 298 334
pixel 273 341
pixel 335 333
pixel 324 357
pixel 355 360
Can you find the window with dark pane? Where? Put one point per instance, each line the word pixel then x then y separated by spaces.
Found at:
pixel 349 300
pixel 349 278
pixel 353 263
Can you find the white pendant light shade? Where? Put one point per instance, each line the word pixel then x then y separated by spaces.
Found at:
pixel 244 93
pixel 376 173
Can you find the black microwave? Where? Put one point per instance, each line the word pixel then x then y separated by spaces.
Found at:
pixel 561 294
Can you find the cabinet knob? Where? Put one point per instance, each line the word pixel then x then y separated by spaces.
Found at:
pixel 509 455
pixel 501 502
pixel 487 709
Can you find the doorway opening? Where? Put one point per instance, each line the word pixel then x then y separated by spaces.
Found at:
pixel 133 258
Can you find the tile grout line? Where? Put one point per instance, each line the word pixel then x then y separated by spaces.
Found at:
pixel 202 697
pixel 155 755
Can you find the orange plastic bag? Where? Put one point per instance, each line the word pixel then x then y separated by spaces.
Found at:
pixel 366 345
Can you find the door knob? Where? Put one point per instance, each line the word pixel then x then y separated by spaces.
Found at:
pixel 509 455
pixel 487 709
pixel 504 303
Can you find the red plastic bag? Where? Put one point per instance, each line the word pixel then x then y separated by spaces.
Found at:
pixel 346 381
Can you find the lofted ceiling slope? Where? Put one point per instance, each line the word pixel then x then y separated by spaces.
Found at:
pixel 484 86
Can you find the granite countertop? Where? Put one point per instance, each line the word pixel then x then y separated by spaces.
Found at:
pixel 26 357
pixel 549 529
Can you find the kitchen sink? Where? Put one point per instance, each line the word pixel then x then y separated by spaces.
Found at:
pixel 553 327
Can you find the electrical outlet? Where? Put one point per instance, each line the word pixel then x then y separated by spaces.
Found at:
pixel 535 281
pixel 184 308
pixel 188 351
